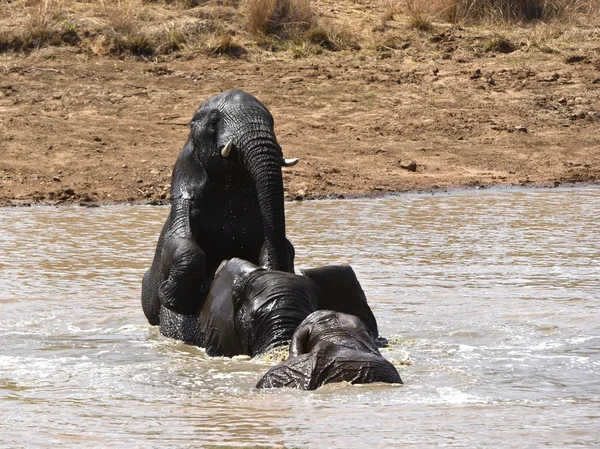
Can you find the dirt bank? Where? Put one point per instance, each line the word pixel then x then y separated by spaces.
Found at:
pixel 429 110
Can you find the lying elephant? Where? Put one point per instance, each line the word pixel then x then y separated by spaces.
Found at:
pixel 226 201
pixel 327 347
pixel 250 310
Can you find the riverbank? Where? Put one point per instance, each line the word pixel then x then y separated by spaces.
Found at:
pixel 400 110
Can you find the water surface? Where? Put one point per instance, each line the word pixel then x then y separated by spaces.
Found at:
pixel 490 300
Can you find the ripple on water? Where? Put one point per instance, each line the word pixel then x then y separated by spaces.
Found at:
pixel 488 299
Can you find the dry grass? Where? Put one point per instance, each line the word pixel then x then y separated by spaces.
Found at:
pixel 224 44
pixel 294 26
pixel 419 16
pixel 279 17
pixel 152 28
pixel 419 12
pixel 121 27
pixel 44 25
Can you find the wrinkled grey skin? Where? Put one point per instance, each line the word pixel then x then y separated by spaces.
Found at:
pixel 341 291
pixel 327 347
pixel 250 310
pixel 221 207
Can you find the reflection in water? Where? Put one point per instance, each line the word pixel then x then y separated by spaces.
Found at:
pixel 490 301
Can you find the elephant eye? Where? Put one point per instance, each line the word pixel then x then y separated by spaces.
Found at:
pixel 213 121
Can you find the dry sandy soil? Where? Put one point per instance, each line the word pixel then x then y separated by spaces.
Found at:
pixel 77 126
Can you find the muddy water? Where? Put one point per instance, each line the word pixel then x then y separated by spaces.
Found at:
pixel 490 300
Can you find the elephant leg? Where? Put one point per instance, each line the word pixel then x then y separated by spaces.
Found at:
pixel 152 280
pixel 185 285
pixel 150 301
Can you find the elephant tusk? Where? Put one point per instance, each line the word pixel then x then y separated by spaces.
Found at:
pixel 289 162
pixel 227 149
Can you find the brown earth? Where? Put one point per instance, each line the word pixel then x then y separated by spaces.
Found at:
pixel 83 127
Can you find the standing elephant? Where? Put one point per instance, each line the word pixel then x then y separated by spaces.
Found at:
pixel 226 201
pixel 330 346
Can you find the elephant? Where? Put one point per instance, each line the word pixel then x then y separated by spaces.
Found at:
pixel 330 346
pixel 250 310
pixel 341 291
pixel 227 201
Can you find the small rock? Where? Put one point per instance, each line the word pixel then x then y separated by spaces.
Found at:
pixel 476 74
pixel 56 179
pixel 408 165
pixel 97 139
pixel 552 78
pixel 575 59
pixel 139 180
pixel 562 100
pixel 521 129
pixel 154 171
pixel 596 81
pixel 502 46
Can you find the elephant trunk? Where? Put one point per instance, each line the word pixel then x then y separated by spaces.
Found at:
pixel 275 322
pixel 263 162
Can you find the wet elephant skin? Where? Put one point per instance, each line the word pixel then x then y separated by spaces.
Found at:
pixel 226 201
pixel 330 347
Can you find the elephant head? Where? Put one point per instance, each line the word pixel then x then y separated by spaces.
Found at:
pixel 327 347
pixel 250 310
pixel 232 137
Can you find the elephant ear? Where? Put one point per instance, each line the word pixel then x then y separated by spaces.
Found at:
pixel 221 338
pixel 341 292
pixel 299 344
pixel 189 179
